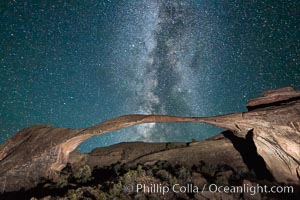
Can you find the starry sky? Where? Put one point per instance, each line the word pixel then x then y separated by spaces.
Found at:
pixel 77 63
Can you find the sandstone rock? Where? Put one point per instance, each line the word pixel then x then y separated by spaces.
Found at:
pixel 214 196
pixel 269 134
pixel 251 195
pixel 273 97
pixel 198 179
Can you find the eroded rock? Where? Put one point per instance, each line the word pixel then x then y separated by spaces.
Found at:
pixel 271 129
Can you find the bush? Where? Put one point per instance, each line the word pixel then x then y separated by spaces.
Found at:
pixel 84 174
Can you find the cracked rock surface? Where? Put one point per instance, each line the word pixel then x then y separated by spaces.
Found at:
pixel 266 140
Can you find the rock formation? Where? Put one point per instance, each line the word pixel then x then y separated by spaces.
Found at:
pixel 269 134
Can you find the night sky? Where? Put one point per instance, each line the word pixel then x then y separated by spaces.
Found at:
pixel 77 63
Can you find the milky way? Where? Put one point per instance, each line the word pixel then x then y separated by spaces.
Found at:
pixel 163 78
pixel 74 64
pixel 162 67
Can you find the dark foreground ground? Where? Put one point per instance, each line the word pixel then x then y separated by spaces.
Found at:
pixel 84 179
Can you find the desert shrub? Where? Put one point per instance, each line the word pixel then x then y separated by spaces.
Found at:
pixel 184 173
pixel 164 175
pixel 84 174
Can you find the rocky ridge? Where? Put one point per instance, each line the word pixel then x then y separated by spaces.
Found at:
pixel 264 141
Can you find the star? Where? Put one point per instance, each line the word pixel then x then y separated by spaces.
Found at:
pixel 74 65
